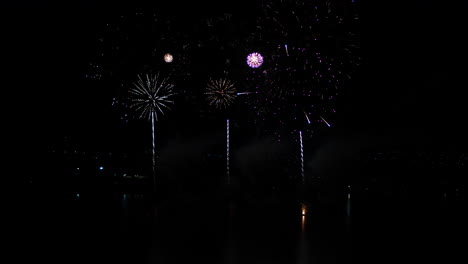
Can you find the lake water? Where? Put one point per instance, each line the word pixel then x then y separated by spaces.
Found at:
pixel 128 228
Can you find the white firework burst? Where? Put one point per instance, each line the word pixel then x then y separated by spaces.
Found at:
pixel 150 95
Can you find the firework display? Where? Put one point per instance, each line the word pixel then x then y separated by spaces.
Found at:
pixel 304 51
pixel 160 123
pixel 286 70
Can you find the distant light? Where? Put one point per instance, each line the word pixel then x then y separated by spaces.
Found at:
pixel 254 60
pixel 304 209
pixel 101 168
pixel 168 57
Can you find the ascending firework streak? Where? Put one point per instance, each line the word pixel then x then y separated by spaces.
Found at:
pixel 227 152
pixel 245 93
pixel 325 121
pixel 149 96
pixel 307 117
pixel 302 157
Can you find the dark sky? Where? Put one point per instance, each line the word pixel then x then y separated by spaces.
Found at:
pixel 50 45
pixel 414 79
pixel 412 82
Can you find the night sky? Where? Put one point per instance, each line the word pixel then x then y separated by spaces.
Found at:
pixel 410 88
pixel 398 143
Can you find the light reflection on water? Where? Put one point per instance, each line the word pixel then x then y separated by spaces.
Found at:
pixel 237 232
pixel 230 251
pixel 303 216
pixel 303 246
pixel 348 207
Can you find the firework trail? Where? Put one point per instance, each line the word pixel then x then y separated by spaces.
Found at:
pixel 227 152
pixel 302 157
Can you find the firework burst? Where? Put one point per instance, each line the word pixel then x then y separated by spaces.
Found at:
pixel 220 93
pixel 150 96
pixel 254 60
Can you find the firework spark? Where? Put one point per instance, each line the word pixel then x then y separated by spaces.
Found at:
pixel 220 93
pixel 120 105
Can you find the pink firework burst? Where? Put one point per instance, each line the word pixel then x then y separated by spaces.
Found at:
pixel 254 60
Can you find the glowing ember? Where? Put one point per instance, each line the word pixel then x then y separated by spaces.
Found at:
pixel 168 57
